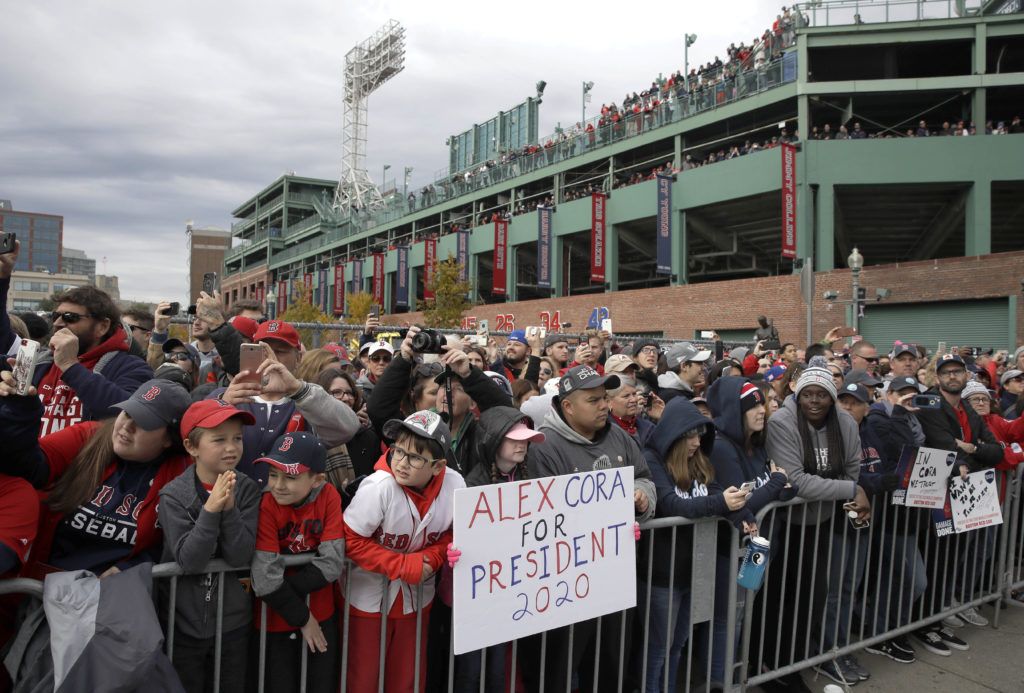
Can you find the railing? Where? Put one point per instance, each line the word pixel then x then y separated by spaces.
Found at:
pixel 844 12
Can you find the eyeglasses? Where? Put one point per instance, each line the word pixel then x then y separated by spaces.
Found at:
pixel 177 356
pixel 379 358
pixel 342 394
pixel 68 317
pixel 649 351
pixel 415 461
pixel 869 359
pixel 139 328
pixel 979 399
pixel 954 372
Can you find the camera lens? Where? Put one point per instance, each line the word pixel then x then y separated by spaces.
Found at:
pixel 428 342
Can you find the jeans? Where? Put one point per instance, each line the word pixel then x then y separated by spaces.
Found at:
pixel 725 572
pixel 902 580
pixel 467 670
pixel 847 557
pixel 670 613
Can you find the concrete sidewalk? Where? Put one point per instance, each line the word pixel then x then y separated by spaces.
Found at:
pixel 995 662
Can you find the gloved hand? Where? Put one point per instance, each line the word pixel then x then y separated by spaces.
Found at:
pixel 453 555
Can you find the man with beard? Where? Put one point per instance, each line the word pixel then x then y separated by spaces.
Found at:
pixel 518 361
pixel 88 368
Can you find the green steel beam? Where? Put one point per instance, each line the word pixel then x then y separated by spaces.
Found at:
pixel 913 84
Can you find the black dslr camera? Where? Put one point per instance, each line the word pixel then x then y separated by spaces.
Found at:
pixel 428 342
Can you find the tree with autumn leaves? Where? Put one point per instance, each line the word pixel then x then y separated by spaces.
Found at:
pixel 450 300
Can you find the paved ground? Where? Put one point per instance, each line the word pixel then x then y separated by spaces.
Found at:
pixel 994 663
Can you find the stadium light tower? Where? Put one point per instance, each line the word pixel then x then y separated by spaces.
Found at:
pixel 367 66
pixel 689 40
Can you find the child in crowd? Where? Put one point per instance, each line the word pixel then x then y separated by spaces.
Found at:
pixel 300 513
pixel 209 512
pixel 398 525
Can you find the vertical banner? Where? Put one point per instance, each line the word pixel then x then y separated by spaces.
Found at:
pixel 500 257
pixel 788 201
pixel 462 253
pixel 282 297
pixel 544 247
pixel 357 276
pixel 378 279
pixel 307 284
pixel 598 201
pixel 325 300
pixel 429 266
pixel 402 278
pixel 261 295
pixel 664 224
pixel 339 288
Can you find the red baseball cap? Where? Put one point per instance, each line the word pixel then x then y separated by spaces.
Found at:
pixel 210 413
pixel 245 326
pixel 281 331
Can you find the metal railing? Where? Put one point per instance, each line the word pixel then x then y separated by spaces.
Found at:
pixel 845 12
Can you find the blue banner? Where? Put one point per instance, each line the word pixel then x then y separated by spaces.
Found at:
pixel 663 224
pixel 462 253
pixel 544 247
pixel 402 277
pixel 357 276
pixel 789 66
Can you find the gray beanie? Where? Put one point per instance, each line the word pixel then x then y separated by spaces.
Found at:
pixel 821 377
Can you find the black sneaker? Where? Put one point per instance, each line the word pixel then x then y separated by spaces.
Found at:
pixel 931 641
pixel 902 642
pixel 835 671
pixel 890 650
pixel 951 640
pixel 851 665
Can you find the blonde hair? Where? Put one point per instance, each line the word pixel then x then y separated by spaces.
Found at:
pixel 314 362
pixel 685 469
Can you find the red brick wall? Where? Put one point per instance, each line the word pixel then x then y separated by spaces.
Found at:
pixel 679 310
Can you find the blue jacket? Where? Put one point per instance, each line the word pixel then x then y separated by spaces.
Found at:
pixel 733 464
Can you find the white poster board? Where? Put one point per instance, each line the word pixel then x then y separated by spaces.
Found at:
pixel 542 553
pixel 923 476
pixel 974 501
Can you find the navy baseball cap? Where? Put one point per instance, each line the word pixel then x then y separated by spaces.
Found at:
pixel 855 390
pixel 903 349
pixel 904 382
pixel 518 336
pixel 861 377
pixel 158 403
pixel 297 452
pixel 585 378
pixel 947 359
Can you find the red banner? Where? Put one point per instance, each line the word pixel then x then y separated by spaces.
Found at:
pixel 282 297
pixel 598 202
pixel 378 278
pixel 307 282
pixel 500 257
pixel 788 201
pixel 339 288
pixel 429 265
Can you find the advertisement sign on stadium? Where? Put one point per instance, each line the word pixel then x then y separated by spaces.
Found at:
pixel 664 224
pixel 788 201
pixel 500 257
pixel 462 253
pixel 378 278
pixel 429 265
pixel 544 247
pixel 402 277
pixel 597 237
pixel 339 288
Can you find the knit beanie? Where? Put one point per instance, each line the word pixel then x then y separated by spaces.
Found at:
pixel 816 375
pixel 750 397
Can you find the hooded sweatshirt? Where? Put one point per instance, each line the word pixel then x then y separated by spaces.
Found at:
pixel 564 451
pixel 670 387
pixel 491 429
pixel 733 464
pixel 786 450
pixel 697 501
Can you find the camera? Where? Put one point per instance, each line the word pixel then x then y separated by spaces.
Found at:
pixel 428 342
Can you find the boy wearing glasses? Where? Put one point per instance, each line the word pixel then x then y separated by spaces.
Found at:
pixel 398 525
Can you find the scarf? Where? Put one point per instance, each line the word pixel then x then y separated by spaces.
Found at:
pixel 628 425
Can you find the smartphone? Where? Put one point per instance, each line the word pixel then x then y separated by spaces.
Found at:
pixel 174 309
pixel 941 348
pixel 707 334
pixel 375 311
pixel 210 283
pixel 606 325
pixel 7 242
pixel 542 332
pixel 851 514
pixel 250 356
pixel 927 401
pixel 748 486
pixel 847 332
pixel 483 326
pixel 24 365
pixel 531 332
pixel 191 309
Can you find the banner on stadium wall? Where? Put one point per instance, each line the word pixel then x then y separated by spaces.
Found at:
pixel 378 279
pixel 788 201
pixel 664 224
pixel 429 266
pixel 500 257
pixel 261 295
pixel 307 284
pixel 282 297
pixel 339 288
pixel 544 247
pixel 598 203
pixel 542 553
pixel 462 253
pixel 402 278
pixel 357 276
pixel 325 300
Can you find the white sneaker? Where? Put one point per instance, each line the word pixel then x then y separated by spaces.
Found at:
pixel 953 622
pixel 972 616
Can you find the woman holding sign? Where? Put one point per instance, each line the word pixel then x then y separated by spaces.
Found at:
pixel 678 455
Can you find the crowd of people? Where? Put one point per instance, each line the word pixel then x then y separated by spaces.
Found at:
pixel 125 446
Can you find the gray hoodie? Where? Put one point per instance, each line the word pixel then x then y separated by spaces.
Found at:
pixel 564 451
pixel 193 537
pixel 786 450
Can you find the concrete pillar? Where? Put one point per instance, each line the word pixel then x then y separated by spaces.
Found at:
pixel 680 243
pixel 978 219
pixel 611 257
pixel 824 223
pixel 557 280
pixel 804 218
pixel 511 273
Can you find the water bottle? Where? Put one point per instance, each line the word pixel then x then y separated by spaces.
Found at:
pixel 752 569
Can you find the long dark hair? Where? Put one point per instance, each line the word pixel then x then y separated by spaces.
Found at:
pixel 327 377
pixel 836 453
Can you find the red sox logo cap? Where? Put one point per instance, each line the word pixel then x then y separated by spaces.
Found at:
pixel 151 394
pixel 273 326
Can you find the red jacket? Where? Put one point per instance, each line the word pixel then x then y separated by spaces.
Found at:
pixel 1011 435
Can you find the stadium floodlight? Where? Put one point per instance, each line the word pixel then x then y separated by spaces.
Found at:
pixel 587 86
pixel 540 88
pixel 689 40
pixel 367 66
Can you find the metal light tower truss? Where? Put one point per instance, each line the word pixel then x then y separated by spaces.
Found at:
pixel 367 66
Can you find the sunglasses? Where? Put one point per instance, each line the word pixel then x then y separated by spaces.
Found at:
pixel 139 328
pixel 68 317
pixel 377 358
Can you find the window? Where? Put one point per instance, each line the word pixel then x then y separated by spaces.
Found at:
pixel 41 287
pixel 21 304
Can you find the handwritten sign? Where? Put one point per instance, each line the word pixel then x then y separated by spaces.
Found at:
pixel 974 501
pixel 923 475
pixel 542 553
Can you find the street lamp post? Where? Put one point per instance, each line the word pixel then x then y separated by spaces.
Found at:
pixel 271 303
pixel 587 86
pixel 383 177
pixel 690 39
pixel 856 263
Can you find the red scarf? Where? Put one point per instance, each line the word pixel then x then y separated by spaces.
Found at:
pixel 628 425
pixel 61 406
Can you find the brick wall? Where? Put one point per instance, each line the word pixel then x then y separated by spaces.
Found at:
pixel 679 310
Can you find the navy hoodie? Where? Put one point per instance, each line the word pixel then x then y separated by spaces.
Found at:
pixel 698 501
pixel 734 466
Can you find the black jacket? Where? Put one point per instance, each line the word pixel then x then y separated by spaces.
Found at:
pixel 942 428
pixel 490 431
pixel 228 342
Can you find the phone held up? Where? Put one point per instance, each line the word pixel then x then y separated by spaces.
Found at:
pixel 927 401
pixel 210 283
pixel 7 241
pixel 250 356
pixel 24 365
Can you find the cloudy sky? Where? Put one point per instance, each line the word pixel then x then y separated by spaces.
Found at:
pixel 130 117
